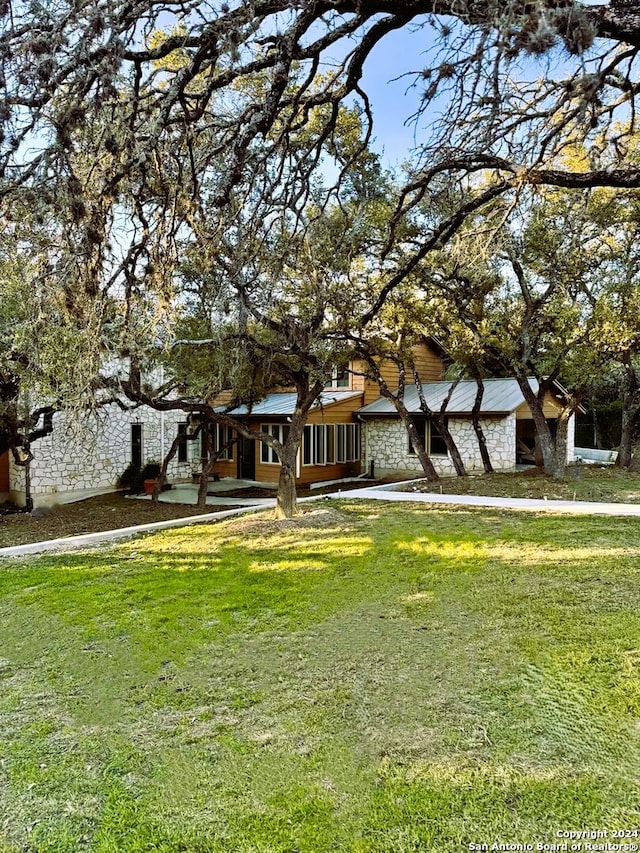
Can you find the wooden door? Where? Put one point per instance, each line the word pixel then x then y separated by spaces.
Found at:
pixel 4 472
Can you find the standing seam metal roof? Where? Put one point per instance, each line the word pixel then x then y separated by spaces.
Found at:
pixel 284 403
pixel 501 397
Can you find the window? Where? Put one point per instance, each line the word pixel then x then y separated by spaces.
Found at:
pixel 433 439
pixel 221 442
pixel 347 442
pixel 136 445
pixel 326 444
pixel 339 379
pixel 279 432
pixel 319 444
pixel 183 447
pixel 437 445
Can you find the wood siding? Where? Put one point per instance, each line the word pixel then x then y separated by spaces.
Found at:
pixel 428 363
pixel 551 408
pixel 227 467
pixel 268 472
pixel 336 413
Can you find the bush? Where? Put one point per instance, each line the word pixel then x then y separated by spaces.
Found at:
pixel 131 479
pixel 151 470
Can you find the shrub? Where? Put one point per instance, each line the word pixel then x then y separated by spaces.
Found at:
pixel 131 479
pixel 151 470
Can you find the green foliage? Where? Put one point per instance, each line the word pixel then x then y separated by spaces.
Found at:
pixel 150 470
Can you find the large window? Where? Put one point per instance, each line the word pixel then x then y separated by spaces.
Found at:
pixel 348 442
pixel 278 431
pixel 222 438
pixel 221 441
pixel 326 444
pixel 433 439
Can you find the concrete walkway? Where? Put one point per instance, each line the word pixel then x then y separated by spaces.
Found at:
pixel 391 493
pixel 387 492
pixel 186 493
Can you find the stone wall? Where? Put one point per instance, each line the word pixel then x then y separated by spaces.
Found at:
pixel 386 445
pixel 85 454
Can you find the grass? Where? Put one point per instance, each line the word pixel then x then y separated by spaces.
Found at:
pixel 582 483
pixel 367 678
pixel 112 511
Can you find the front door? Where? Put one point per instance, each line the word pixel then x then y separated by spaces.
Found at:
pixel 4 472
pixel 246 459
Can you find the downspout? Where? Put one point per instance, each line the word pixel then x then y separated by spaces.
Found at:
pixel 369 464
pixel 27 487
pixel 162 414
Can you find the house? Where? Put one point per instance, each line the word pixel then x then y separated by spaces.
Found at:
pixel 86 454
pixel 333 438
pixel 350 430
pixel 505 418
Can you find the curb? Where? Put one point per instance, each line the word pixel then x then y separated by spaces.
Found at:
pixel 85 540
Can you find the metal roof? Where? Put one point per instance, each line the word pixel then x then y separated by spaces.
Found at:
pixel 501 397
pixel 284 403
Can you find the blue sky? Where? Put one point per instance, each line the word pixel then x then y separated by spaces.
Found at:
pixel 393 98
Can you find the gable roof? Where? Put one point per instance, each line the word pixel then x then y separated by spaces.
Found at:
pixel 501 397
pixel 284 403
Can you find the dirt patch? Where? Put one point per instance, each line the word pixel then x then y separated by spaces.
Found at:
pixel 302 491
pixel 249 492
pixel 107 512
pixel 318 519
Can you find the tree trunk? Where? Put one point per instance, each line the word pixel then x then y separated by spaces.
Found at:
pixel 449 440
pixel 452 447
pixel 286 498
pixel 162 476
pixel 545 441
pixel 477 427
pixel 416 442
pixel 634 464
pixel 629 410
pixel 560 449
pixel 597 442
pixel 626 438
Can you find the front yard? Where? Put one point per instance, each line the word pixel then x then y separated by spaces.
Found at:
pixel 363 678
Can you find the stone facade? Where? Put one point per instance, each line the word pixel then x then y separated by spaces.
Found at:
pixel 386 445
pixel 85 455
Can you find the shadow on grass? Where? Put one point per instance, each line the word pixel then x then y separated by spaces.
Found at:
pixel 415 679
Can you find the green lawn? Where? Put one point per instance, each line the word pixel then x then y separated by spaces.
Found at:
pixel 371 678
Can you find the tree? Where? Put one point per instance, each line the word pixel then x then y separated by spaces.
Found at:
pixel 613 225
pixel 252 309
pixel 60 66
pixel 144 119
pixel 524 307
